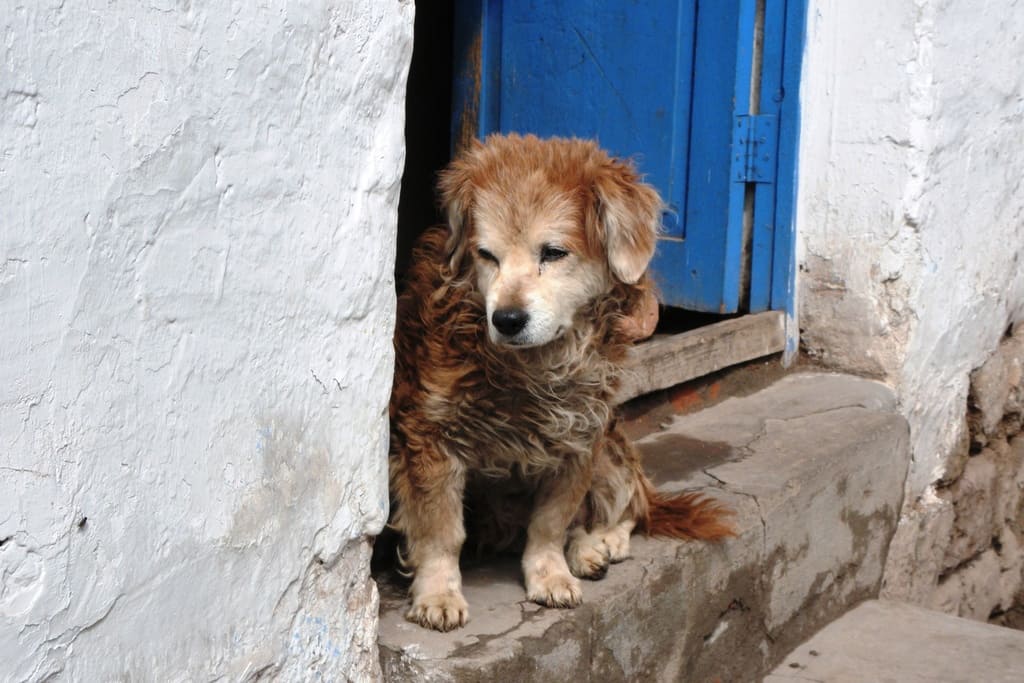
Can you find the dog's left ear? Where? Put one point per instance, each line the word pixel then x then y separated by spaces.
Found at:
pixel 629 212
pixel 455 185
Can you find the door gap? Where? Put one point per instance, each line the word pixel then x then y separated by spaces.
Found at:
pixel 749 192
pixel 428 113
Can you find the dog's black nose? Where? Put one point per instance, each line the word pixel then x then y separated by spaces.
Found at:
pixel 509 321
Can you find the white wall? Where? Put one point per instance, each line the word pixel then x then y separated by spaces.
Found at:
pixel 911 218
pixel 197 234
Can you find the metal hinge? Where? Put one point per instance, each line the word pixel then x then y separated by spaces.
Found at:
pixel 754 145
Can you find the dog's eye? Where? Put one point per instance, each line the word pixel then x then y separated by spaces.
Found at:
pixel 486 255
pixel 550 253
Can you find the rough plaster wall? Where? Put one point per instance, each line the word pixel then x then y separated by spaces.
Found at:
pixel 196 249
pixel 912 219
pixel 859 171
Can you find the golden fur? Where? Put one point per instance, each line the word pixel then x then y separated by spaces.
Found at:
pixel 512 418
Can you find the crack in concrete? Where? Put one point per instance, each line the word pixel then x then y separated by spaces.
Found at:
pixel 763 587
pixel 721 482
pixel 768 421
pixel 757 504
pixel 524 617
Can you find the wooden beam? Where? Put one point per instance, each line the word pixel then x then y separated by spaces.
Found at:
pixel 666 360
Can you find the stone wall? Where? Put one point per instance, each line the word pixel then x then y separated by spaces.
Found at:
pixel 910 222
pixel 982 570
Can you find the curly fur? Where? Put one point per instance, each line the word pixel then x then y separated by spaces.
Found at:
pixel 524 437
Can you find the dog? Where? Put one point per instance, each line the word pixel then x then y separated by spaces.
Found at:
pixel 512 332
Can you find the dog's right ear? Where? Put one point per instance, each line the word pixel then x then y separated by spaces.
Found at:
pixel 456 187
pixel 630 214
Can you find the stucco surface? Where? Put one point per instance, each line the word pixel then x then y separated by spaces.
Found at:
pixel 196 250
pixel 911 219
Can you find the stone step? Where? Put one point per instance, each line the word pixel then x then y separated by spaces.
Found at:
pixel 814 466
pixel 891 641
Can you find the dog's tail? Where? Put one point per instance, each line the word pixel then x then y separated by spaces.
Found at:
pixel 684 515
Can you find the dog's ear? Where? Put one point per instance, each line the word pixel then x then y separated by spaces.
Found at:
pixel 629 213
pixel 455 185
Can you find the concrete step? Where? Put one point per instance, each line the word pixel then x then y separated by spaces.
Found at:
pixel 814 466
pixel 890 641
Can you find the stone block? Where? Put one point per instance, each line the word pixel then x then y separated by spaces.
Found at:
pixel 995 386
pixel 1011 482
pixel 954 465
pixel 975 497
pixel 1015 401
pixel 1015 515
pixel 890 641
pixel 918 550
pixel 971 590
pixel 1011 568
pixel 814 467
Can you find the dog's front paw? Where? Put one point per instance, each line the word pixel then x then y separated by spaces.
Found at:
pixel 440 611
pixel 555 590
pixel 588 556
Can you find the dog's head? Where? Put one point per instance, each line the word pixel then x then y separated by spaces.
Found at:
pixel 546 227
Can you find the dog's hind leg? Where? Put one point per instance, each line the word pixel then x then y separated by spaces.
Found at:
pixel 548 579
pixel 608 516
pixel 429 515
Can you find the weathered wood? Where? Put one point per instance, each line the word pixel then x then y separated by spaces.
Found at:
pixel 667 360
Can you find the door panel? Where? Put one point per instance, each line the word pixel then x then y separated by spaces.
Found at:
pixel 619 72
pixel 662 82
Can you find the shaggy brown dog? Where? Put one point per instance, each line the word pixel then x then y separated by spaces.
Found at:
pixel 511 337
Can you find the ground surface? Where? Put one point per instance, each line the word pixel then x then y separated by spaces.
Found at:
pixel 883 641
pixel 813 466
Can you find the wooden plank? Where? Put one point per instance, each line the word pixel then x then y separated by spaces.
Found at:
pixel 667 360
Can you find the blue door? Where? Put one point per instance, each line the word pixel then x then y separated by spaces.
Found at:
pixel 702 95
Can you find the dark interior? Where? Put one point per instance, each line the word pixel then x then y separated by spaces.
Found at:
pixel 428 108
pixel 428 112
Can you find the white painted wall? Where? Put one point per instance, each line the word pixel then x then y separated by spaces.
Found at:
pixel 911 217
pixel 197 225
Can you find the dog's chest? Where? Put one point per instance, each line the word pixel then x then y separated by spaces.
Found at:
pixel 529 425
